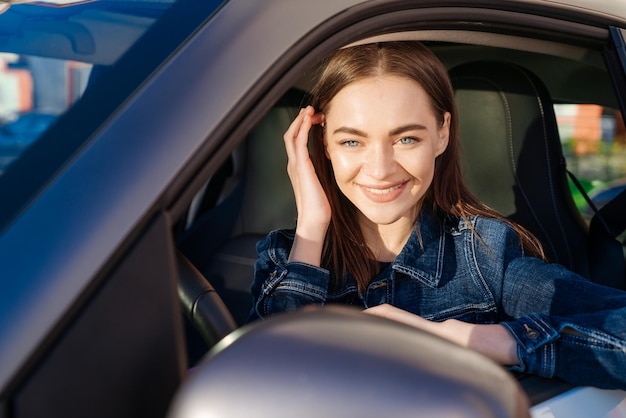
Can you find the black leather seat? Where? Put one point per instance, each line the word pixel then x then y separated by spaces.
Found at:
pixel 514 161
pixel 247 197
pixel 222 242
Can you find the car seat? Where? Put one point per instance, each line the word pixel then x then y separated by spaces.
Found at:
pixel 256 199
pixel 513 159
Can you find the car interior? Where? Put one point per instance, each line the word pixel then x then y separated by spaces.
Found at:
pixel 513 161
pixel 516 160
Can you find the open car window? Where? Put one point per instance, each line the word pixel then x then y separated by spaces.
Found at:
pixel 251 195
pixel 594 144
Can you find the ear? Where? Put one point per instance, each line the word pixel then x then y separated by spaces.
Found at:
pixel 325 144
pixel 444 134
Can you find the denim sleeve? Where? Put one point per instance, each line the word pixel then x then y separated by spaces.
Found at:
pixel 565 325
pixel 281 286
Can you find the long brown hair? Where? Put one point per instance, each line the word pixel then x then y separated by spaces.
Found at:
pixel 344 248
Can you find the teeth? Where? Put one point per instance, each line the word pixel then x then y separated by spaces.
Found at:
pixel 383 191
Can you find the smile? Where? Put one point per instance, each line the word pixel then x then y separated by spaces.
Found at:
pixel 383 191
pixel 384 194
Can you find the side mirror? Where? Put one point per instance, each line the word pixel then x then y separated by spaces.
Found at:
pixel 337 361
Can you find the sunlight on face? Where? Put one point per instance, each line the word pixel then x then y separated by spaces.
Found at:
pixel 382 139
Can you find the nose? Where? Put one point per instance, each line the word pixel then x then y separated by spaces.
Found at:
pixel 380 162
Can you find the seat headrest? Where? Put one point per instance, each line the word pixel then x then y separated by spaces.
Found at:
pixel 500 106
pixel 268 201
pixel 513 156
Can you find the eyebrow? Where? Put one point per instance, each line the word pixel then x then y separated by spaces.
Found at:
pixel 393 132
pixel 407 128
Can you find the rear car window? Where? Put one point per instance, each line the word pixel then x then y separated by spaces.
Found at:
pixel 594 145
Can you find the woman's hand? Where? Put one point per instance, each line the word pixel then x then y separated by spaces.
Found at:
pixel 311 201
pixel 492 340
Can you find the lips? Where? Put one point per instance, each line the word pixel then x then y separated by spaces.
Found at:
pixel 383 194
pixel 383 191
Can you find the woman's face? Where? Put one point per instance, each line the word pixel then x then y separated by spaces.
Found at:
pixel 382 139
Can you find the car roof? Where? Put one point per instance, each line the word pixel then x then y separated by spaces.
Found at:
pixel 615 8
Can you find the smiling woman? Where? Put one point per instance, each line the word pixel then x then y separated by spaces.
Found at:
pixel 432 107
pixel 383 154
pixel 386 223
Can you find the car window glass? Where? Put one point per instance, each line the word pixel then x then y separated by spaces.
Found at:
pixel 47 58
pixel 66 66
pixel 35 91
pixel 594 145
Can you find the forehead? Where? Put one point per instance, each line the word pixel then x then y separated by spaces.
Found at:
pixel 384 97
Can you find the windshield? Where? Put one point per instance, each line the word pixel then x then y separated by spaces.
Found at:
pixel 47 52
pixel 35 90
pixel 65 67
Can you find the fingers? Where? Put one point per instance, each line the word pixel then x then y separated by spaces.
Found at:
pixel 302 135
pixel 298 132
pixel 311 201
pixel 291 133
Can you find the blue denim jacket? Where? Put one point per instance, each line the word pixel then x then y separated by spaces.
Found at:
pixel 487 280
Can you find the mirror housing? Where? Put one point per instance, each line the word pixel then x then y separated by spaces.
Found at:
pixel 337 361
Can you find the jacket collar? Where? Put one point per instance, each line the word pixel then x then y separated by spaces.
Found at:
pixel 423 260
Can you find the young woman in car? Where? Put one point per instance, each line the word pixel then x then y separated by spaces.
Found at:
pixel 386 223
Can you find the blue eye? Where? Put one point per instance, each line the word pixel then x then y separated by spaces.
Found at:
pixel 350 143
pixel 407 140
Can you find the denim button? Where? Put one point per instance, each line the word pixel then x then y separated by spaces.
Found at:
pixel 531 334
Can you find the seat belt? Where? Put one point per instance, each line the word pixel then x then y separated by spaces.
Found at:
pixel 606 253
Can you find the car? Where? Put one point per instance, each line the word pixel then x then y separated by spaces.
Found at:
pixel 128 220
pixel 17 135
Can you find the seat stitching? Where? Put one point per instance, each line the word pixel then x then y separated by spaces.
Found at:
pixel 549 163
pixel 513 163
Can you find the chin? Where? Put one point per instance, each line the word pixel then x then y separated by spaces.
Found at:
pixel 386 216
pixel 383 219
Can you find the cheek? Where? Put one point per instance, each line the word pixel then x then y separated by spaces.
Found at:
pixel 344 165
pixel 419 165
